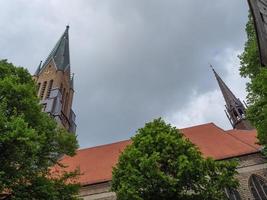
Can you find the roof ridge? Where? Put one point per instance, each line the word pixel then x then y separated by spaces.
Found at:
pixel 195 126
pixel 242 130
pixel 103 145
pixel 243 141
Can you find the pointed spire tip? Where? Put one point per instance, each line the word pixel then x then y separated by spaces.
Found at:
pixel 60 52
pixel 211 66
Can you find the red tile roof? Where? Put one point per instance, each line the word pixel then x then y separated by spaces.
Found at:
pixel 96 163
pixel 219 144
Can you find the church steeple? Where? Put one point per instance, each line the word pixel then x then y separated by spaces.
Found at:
pixel 55 83
pixel 235 110
pixel 60 53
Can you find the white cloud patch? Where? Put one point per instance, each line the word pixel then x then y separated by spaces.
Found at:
pixel 209 107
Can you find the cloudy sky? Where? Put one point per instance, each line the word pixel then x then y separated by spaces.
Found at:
pixel 134 60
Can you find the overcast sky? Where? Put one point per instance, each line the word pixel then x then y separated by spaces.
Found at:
pixel 134 60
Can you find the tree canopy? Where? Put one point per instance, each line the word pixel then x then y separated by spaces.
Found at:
pixel 257 87
pixel 30 142
pixel 161 164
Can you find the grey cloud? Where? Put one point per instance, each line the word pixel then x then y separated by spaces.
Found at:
pixel 134 60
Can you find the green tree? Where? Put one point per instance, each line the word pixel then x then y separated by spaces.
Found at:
pixel 30 142
pixel 257 87
pixel 161 164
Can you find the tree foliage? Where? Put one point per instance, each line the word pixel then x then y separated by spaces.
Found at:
pixel 30 142
pixel 161 164
pixel 257 87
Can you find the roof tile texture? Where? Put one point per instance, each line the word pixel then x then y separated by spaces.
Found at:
pixel 96 163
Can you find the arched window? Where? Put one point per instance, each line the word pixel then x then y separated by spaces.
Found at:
pixel 258 187
pixel 49 88
pixel 232 194
pixel 43 90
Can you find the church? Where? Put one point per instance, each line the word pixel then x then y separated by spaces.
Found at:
pixel 56 90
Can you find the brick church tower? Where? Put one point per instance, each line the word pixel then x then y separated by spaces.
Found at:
pixel 235 110
pixel 55 84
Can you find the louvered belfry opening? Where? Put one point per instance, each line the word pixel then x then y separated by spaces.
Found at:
pixel 38 87
pixel 50 85
pixel 43 90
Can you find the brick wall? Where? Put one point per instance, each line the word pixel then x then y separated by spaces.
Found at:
pixel 248 165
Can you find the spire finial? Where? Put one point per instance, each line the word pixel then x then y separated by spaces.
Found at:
pixel 60 52
pixel 212 68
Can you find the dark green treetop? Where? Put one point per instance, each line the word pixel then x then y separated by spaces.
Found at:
pixel 161 164
pixel 257 87
pixel 30 142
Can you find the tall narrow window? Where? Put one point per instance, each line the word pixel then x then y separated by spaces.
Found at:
pixel 43 90
pixel 232 194
pixel 38 88
pixel 258 187
pixel 66 102
pixel 61 87
pixel 49 88
pixel 63 98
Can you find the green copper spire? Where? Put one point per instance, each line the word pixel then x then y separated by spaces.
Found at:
pixel 60 53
